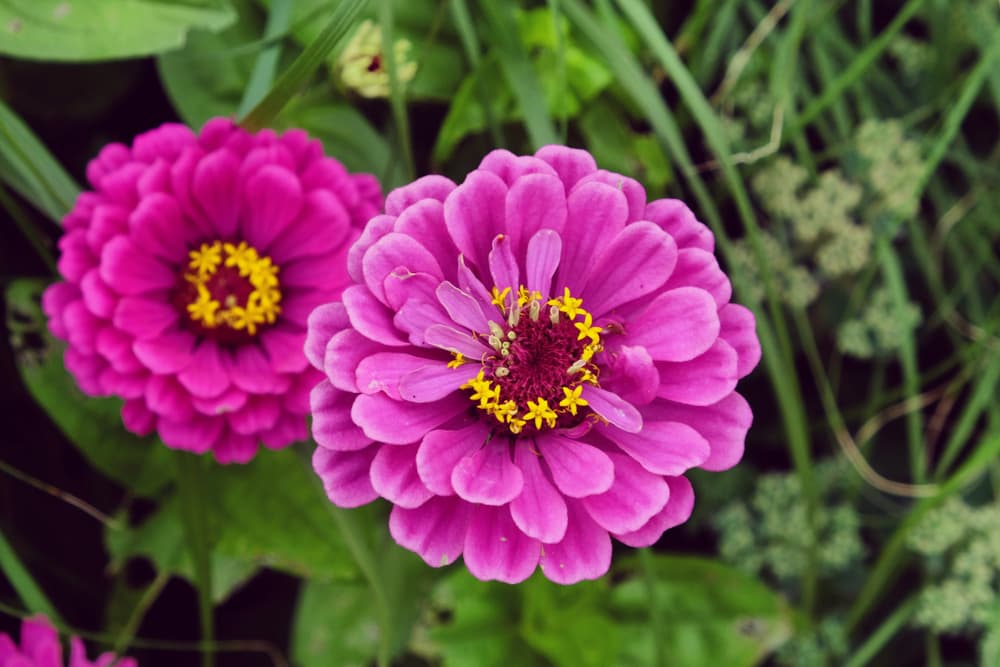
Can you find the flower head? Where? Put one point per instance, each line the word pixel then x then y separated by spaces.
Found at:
pixel 527 364
pixel 189 271
pixel 40 647
pixel 362 64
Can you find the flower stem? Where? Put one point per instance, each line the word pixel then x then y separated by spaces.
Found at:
pixel 190 471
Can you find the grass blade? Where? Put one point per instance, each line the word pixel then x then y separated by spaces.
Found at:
pixel 197 535
pixel 470 43
pixel 397 93
pixel 19 577
pixel 266 65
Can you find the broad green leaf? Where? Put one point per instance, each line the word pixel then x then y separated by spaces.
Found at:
pixel 87 30
pixel 94 425
pixel 208 76
pixel 711 615
pixel 568 625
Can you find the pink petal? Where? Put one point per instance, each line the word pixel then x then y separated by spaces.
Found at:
pixel 130 271
pixel 260 413
pixel 678 325
pixel 662 447
pixel 636 263
pixel 250 370
pixel 382 371
pixel 474 215
pixel 205 375
pixel 375 229
pixel 433 187
pixel 424 221
pixel 629 372
pixel 138 418
pixel 40 643
pixel 82 326
pixel 632 500
pixel 739 329
pixel 332 426
pixel 370 318
pixel 436 530
pixel 463 309
pixel 674 513
pixel 697 268
pixel 284 349
pixel 157 227
pixel 704 380
pixel 289 429
pixel 452 340
pixel 432 382
pixel 614 408
pixel 166 141
pixel 676 219
pixel 544 251
pixel 496 549
pixel 540 510
pixel 634 193
pixel 228 401
pixel 394 476
pixel 167 353
pixel 583 553
pixel 167 398
pixel 503 265
pixel 310 273
pixel 116 347
pixel 571 164
pixel 323 323
pixel 196 434
pixel 488 476
pixel 578 469
pixel 511 168
pixel 123 385
pixel 76 257
pixel 440 451
pixel 534 202
pixel 345 475
pixel 233 447
pixel 723 424
pixel 101 300
pixel 390 252
pixel 214 187
pixel 144 318
pixel 596 212
pixel 322 226
pixel 344 353
pixel 106 223
pixel 398 423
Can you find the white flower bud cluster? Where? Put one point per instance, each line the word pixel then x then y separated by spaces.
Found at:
pixel 880 327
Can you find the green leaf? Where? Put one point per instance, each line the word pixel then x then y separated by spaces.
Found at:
pixel 28 167
pixel 710 614
pixel 23 583
pixel 86 31
pixel 466 114
pixel 563 623
pixel 208 77
pixel 94 425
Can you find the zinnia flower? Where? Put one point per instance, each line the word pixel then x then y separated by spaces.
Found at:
pixel 189 272
pixel 40 647
pixel 527 364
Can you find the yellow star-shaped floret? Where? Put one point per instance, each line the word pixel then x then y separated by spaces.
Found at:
pixel 572 399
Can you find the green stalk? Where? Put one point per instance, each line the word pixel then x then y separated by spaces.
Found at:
pixel 883 634
pixel 190 489
pixel 397 94
pixel 23 583
pixel 470 44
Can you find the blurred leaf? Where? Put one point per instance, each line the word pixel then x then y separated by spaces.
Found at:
pixel 618 148
pixel 712 615
pixel 568 625
pixel 80 31
pixel 23 583
pixel 438 73
pixel 208 76
pixel 94 425
pixel 28 167
pixel 266 64
pixel 466 114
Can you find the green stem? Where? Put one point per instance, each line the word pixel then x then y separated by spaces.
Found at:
pixel 190 485
pixel 22 581
pixel 397 94
pixel 882 634
pixel 149 596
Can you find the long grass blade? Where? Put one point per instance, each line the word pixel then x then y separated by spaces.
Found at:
pixel 22 581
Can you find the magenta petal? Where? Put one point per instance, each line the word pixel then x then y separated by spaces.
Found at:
pixel 116 347
pixel 739 329
pixel 629 372
pixel 370 318
pixel 704 380
pixel 496 549
pixel 571 164
pixel 511 168
pixel 260 413
pixel 196 434
pixel 273 198
pixel 636 263
pixel 82 326
pixel 474 215
pixel 503 265
pixel 463 309
pixel 583 553
pixel 393 251
pixel 534 202
pixel 76 258
pixel 205 375
pixel 228 401
pixel 678 325
pixel 232 447
pixel 544 251
pixel 251 371
pixel 376 228
pixel 540 510
pixel 382 371
pixel 344 352
pixel 578 469
pixel 291 428
pixel 130 271
pixel 662 447
pixel 323 323
pixel 284 349
pixel 455 341
pixel 322 226
pixel 676 219
pixel 425 221
pixel 101 300
pixel 596 212
pixel 471 284
pixel 332 426
pixel 436 530
pixel 614 408
pixel 214 187
pixel 440 451
pixel 488 476
pixel 632 500
pixel 634 193
pixel 723 424
pixel 432 382
pixel 157 227
pixel 697 268
pixel 674 513
pixel 40 643
pixel 399 423
pixel 167 353
pixel 144 318
pixel 345 475
pixel 167 398
pixel 433 187
pixel 137 418
pixel 394 476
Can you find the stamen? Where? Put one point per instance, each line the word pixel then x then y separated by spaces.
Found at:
pixel 534 310
pixel 501 371
pixel 554 314
pixel 496 329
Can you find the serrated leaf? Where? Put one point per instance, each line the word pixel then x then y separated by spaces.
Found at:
pixel 67 30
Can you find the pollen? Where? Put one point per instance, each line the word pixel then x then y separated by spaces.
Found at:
pixel 229 291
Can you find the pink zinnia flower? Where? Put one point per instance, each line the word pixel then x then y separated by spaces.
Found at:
pixel 190 270
pixel 527 365
pixel 40 647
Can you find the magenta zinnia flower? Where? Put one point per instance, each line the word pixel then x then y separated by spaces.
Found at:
pixel 190 270
pixel 40 647
pixel 528 364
